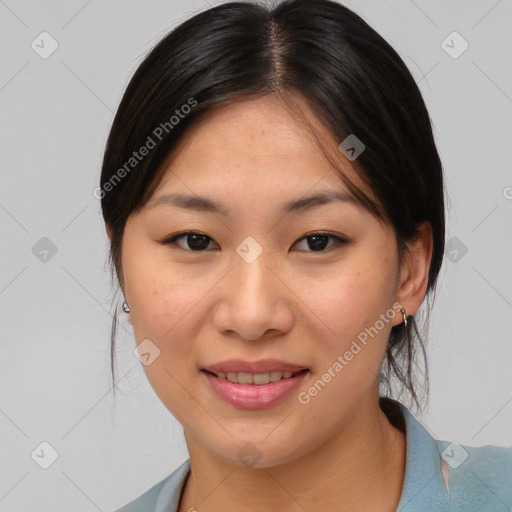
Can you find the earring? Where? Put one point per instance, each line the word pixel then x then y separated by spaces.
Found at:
pixel 402 310
pixel 125 307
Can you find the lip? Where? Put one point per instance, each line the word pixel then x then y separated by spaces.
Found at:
pixel 252 397
pixel 263 366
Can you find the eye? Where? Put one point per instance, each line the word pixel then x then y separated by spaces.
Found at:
pixel 196 241
pixel 317 241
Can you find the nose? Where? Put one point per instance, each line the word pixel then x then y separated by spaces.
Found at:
pixel 253 301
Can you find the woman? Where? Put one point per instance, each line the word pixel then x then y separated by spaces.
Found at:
pixel 274 200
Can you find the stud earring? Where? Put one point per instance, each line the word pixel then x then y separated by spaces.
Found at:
pixel 402 310
pixel 125 307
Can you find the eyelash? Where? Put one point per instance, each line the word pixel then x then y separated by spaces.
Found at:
pixel 339 241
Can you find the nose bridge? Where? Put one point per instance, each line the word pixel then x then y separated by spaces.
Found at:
pixel 252 277
pixel 251 301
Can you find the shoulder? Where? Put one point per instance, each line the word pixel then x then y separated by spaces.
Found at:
pixel 146 501
pixel 164 495
pixel 478 478
pixel 446 476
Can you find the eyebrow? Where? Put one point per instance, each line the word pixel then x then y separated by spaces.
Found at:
pixel 205 204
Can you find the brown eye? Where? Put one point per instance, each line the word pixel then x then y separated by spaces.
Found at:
pixel 198 242
pixel 318 242
pixel 193 241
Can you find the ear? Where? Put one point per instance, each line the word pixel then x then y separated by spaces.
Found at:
pixel 108 229
pixel 413 279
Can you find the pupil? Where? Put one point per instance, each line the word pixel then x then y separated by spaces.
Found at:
pixel 319 242
pixel 197 246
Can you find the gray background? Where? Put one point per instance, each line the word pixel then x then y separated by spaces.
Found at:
pixel 55 308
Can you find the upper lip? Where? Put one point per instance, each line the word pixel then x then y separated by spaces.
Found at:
pixel 263 366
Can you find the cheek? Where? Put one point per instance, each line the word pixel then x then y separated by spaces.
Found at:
pixel 160 297
pixel 350 304
pixel 354 297
pixel 163 306
pixel 162 309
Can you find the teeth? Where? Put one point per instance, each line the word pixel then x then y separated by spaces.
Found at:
pixel 254 378
pixel 274 376
pixel 244 378
pixel 232 377
pixel 261 378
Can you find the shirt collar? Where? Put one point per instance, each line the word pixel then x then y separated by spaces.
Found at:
pixel 423 487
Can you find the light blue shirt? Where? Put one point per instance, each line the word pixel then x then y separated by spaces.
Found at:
pixel 439 477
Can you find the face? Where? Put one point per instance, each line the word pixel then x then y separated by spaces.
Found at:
pixel 314 287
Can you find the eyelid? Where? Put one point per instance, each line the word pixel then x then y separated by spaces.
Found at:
pixel 171 240
pixel 340 240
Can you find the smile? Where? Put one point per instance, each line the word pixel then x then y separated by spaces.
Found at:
pixel 253 391
pixel 255 379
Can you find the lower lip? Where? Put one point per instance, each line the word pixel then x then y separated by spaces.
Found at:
pixel 248 396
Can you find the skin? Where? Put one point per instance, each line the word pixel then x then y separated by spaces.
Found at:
pixel 338 452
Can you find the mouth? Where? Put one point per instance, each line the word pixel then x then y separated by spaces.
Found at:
pixel 254 386
pixel 256 379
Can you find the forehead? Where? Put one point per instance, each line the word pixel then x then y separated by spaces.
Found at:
pixel 257 145
pixel 253 129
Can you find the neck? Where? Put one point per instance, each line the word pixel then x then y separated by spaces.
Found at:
pixel 361 468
